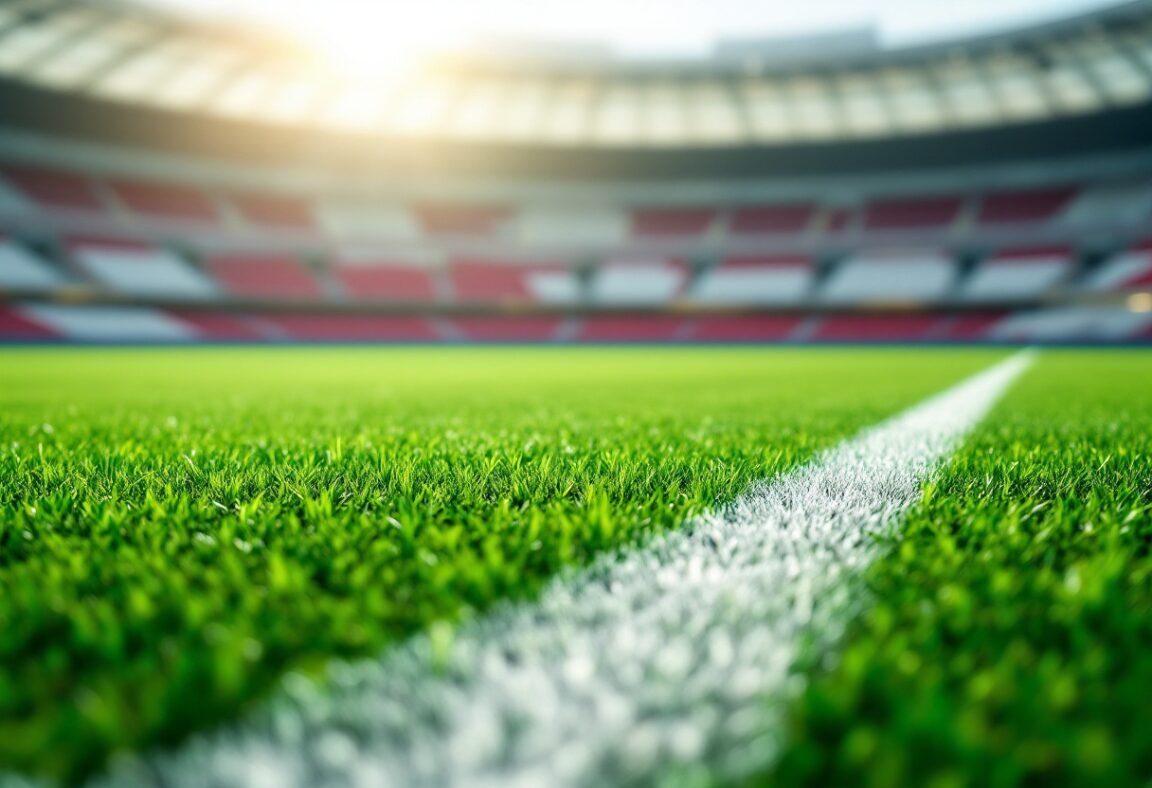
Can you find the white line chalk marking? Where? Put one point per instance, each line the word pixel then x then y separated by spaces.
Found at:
pixel 663 662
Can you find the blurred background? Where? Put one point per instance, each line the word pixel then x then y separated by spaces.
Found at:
pixel 729 171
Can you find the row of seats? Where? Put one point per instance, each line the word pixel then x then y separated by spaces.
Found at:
pixel 31 322
pixel 1076 204
pixel 144 270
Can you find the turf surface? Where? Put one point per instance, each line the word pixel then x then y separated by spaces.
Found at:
pixel 1009 636
pixel 179 528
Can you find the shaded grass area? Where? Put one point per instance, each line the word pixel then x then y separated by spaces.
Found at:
pixel 179 528
pixel 1010 640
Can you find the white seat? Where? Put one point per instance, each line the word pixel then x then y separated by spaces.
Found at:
pixel 888 277
pixel 109 324
pixel 767 283
pixel 142 271
pixel 1072 323
pixel 20 269
pixel 637 283
pixel 1132 268
pixel 1016 276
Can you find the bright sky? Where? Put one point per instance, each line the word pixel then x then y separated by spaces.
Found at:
pixel 380 35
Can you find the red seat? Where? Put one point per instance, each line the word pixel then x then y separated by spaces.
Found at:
pixel 386 282
pixel 264 276
pixel 461 219
pixel 632 328
pixel 529 329
pixel 14 326
pixel 771 219
pixel 275 211
pixel 354 328
pixel 875 327
pixel 164 200
pixel 54 188
pixel 1034 205
pixel 219 325
pixel 971 325
pixel 672 221
pixel 745 328
pixel 924 212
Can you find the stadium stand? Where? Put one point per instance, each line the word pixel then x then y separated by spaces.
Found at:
pixel 138 268
pixel 938 213
pixel 465 220
pixel 1018 274
pixel 767 219
pixel 495 282
pixel 1083 323
pixel 766 280
pixel 368 278
pixel 53 189
pixel 657 222
pixel 745 328
pixel 20 269
pixel 508 329
pixel 633 328
pixel 893 328
pixel 107 323
pixel 268 276
pixel 272 211
pixel 352 328
pixel 898 276
pixel 14 326
pixel 166 201
pixel 640 282
pixel 1033 205
pixel 1126 270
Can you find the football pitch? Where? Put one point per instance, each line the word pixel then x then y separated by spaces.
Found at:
pixel 190 537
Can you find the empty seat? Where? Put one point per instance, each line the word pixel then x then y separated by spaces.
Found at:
pixel 890 277
pixel 639 282
pixel 372 279
pixel 508 329
pixel 21 269
pixel 274 211
pixel 578 226
pixel 1073 323
pixel 632 328
pixel 473 220
pixel 109 323
pixel 139 269
pixel 744 328
pixel 894 328
pixel 15 326
pixel 768 219
pixel 912 213
pixel 969 325
pixel 54 188
pixel 648 222
pixel 220 326
pixel 353 328
pixel 1017 274
pixel 479 281
pixel 164 201
pixel 367 220
pixel 266 276
pixel 1024 206
pixel 1127 270
pixel 1110 204
pixel 765 280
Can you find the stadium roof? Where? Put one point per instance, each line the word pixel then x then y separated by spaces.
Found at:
pixel 1078 66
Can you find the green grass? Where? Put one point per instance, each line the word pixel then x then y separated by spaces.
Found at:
pixel 179 528
pixel 1009 639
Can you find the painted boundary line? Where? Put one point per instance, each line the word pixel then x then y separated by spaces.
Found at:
pixel 658 665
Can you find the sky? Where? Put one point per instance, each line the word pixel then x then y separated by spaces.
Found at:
pixel 376 35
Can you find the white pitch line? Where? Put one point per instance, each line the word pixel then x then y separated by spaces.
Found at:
pixel 670 662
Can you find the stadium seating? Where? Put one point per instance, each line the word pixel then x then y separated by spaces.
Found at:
pixel 633 328
pixel 508 329
pixel 657 222
pixel 770 219
pixel 221 326
pixel 54 189
pixel 970 326
pixel 15 326
pixel 352 328
pixel 462 220
pixel 638 282
pixel 20 269
pixel 274 212
pixel 139 269
pixel 1126 270
pixel 263 276
pixel 1073 323
pixel 1110 204
pixel 164 201
pixel 371 279
pixel 937 213
pixel 85 323
pixel 1017 274
pixel 479 281
pixel 1024 206
pixel 744 328
pixel 903 328
pixel 358 221
pixel 764 280
pixel 578 227
pixel 889 277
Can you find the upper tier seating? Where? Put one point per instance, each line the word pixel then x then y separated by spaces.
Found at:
pixel 1127 270
pixel 1017 274
pixel 462 220
pixel 366 220
pixel 274 211
pixel 108 323
pixel 656 222
pixel 367 279
pixel 938 213
pixel 263 276
pixel 889 277
pixel 139 269
pixel 476 281
pixel 640 282
pixel 21 269
pixel 581 226
pixel 766 280
pixel 53 189
pixel 1073 323
pixel 769 219
pixel 1110 204
pixel 164 201
pixel 1025 206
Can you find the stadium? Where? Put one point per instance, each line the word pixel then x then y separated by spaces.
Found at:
pixel 385 407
